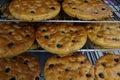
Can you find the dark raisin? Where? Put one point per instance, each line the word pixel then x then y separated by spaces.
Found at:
pixel 59 45
pixel 74 8
pixel 37 78
pixel 99 36
pixel 103 64
pixel 53 8
pixel 10 33
pixel 7 70
pixel 101 75
pixel 32 12
pixel 66 70
pixel 118 73
pixel 14 58
pixel 91 27
pixel 103 9
pixel 63 32
pixel 46 37
pixel 13 78
pixel 88 75
pixel 76 31
pixel 51 66
pixel 43 30
pixel 85 1
pixel 26 62
pixel 27 35
pixel 96 12
pixel 58 57
pixel 69 3
pixel 81 62
pixel 10 44
pixel 71 30
pixel 116 60
pixel 73 40
pixel 108 28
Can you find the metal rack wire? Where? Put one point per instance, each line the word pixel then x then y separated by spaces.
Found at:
pixel 88 50
pixel 114 4
pixel 87 47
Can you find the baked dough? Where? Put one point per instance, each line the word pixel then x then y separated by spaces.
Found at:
pixel 61 38
pixel 15 39
pixel 22 67
pixel 106 35
pixel 87 9
pixel 76 67
pixel 108 67
pixel 34 10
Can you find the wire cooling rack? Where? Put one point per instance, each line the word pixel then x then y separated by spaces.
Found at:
pixel 88 50
pixel 114 4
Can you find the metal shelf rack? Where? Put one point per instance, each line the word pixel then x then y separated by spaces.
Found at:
pixel 88 50
pixel 115 18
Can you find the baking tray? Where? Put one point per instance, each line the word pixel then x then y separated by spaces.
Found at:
pixel 114 4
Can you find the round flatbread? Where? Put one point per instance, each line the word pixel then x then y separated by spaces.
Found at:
pixel 34 10
pixel 108 67
pixel 76 67
pixel 15 39
pixel 22 67
pixel 106 35
pixel 87 9
pixel 61 38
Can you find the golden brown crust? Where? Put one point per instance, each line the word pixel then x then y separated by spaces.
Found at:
pixel 22 67
pixel 106 35
pixel 15 39
pixel 108 67
pixel 87 9
pixel 61 38
pixel 34 10
pixel 76 67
